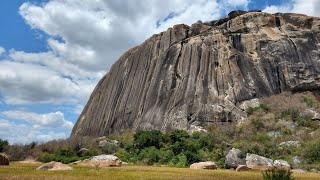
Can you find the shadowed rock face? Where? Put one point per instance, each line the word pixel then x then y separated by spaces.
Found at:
pixel 199 75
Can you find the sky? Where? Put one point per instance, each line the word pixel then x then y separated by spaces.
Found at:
pixel 53 52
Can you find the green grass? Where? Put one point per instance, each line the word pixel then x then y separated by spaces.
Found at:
pixel 17 171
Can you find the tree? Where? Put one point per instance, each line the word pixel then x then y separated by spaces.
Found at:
pixel 3 144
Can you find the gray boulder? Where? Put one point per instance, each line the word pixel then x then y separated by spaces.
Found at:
pixel 290 143
pixel 296 161
pixel 274 134
pixel 108 142
pixel 257 162
pixel 250 103
pixel 281 164
pixel 233 159
pixel 104 157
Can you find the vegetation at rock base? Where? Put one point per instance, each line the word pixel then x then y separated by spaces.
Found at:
pixel 277 174
pixel 278 119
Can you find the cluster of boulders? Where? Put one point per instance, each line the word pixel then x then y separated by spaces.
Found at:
pixel 235 159
pixel 252 162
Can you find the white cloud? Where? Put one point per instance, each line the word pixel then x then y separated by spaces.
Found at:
pixel 23 133
pixel 2 50
pixel 275 9
pixel 308 7
pixel 243 3
pixel 22 83
pixel 54 120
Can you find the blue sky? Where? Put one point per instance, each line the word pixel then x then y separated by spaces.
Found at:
pixel 52 53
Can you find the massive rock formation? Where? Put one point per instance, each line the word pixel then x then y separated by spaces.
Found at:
pixel 199 75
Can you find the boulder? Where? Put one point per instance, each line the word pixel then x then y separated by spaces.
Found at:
pixel 54 166
pixel 101 161
pixel 233 159
pixel 194 128
pixel 4 160
pixel 108 142
pixel 296 161
pixel 243 168
pixel 257 162
pixel 250 103
pixel 290 143
pixel 274 134
pixel 281 164
pixel 311 113
pixel 204 165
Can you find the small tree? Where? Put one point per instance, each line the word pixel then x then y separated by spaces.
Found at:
pixel 3 144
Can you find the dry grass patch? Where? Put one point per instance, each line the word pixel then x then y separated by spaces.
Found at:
pixel 18 171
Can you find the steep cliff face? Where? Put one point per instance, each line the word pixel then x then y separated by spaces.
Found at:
pixel 199 75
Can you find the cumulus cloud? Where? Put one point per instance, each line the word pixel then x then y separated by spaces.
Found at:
pixel 23 83
pixel 308 7
pixel 50 120
pixel 23 133
pixel 2 50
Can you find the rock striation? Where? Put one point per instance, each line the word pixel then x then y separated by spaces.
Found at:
pixel 200 75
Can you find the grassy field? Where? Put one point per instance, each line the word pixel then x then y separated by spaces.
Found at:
pixel 17 171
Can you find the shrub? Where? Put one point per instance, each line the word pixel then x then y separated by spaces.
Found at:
pixel 165 156
pixel 65 156
pixel 149 155
pixel 180 160
pixel 312 152
pixel 280 174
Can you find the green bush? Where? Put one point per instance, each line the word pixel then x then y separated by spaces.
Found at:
pixel 280 174
pixel 65 156
pixel 312 152
pixel 180 160
pixel 149 155
pixel 143 139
